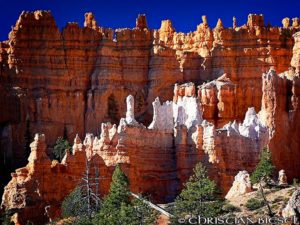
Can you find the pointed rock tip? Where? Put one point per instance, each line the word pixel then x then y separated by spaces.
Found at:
pixel 141 22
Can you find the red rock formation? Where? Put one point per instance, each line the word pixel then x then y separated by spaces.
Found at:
pixel 255 20
pixel 188 90
pixel 296 53
pixel 147 162
pixel 280 112
pixel 41 186
pixel 141 22
pixel 79 69
pixel 166 162
pixel 219 100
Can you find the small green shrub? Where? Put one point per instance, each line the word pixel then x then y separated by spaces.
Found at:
pixel 286 200
pixel 278 199
pixel 230 208
pixel 275 206
pixel 60 148
pixel 5 219
pixel 264 168
pixel 295 182
pixel 254 203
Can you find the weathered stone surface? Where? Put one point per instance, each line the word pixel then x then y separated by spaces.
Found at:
pixel 147 161
pixel 240 186
pixel 36 191
pixel 162 116
pixel 90 21
pixel 255 20
pixel 141 22
pixel 295 22
pixel 296 52
pixel 286 22
pixel 219 100
pixel 280 113
pixel 82 68
pixel 187 111
pixel 233 147
pixel 282 179
pixel 292 209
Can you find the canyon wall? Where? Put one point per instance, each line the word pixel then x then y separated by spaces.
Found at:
pixel 160 158
pixel 280 112
pixel 70 80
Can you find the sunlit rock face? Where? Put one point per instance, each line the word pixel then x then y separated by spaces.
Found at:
pixel 187 112
pixel 90 70
pixel 235 146
pixel 157 159
pixel 162 116
pixel 296 52
pixel 292 208
pixel 240 186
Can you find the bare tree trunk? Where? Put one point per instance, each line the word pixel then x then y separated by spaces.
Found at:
pixel 97 186
pixel 87 172
pixel 270 212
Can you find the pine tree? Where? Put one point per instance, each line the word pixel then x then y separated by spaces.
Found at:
pixel 84 201
pixel 118 209
pixel 119 189
pixel 264 169
pixel 262 173
pixel 60 148
pixel 116 201
pixel 144 214
pixel 73 205
pixel 198 198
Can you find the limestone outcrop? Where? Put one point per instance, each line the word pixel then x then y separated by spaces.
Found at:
pixel 219 100
pixel 296 53
pixel 240 186
pixel 292 208
pixel 282 179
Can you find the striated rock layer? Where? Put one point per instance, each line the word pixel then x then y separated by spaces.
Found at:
pixel 157 159
pixel 281 113
pixel 71 80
